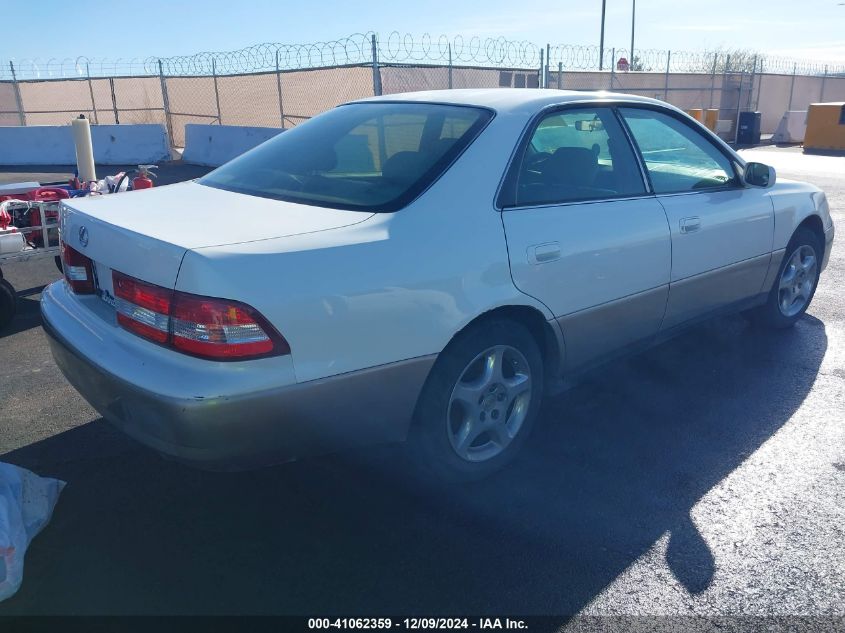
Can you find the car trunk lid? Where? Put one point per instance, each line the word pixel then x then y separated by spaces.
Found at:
pixel 146 233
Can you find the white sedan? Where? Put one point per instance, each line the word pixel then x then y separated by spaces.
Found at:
pixel 420 265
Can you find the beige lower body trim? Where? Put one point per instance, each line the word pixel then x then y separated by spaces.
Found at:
pixel 694 296
pixel 601 331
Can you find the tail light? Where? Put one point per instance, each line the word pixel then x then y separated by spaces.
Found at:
pixel 207 327
pixel 79 271
pixel 142 308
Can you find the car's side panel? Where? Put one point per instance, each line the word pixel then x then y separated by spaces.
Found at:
pixel 691 297
pixel 599 331
pixel 731 226
pixel 793 203
pixel 611 259
pixel 726 258
pixel 605 251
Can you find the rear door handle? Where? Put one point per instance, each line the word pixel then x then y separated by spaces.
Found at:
pixel 542 253
pixel 690 225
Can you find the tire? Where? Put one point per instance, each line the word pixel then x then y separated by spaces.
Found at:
pixel 8 303
pixel 780 311
pixel 471 420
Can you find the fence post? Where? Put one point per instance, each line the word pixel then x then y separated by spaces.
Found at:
pixel 666 80
pixel 713 78
pixel 546 67
pixel 539 72
pixel 753 79
pixel 114 101
pixel 91 91
pixel 450 65
pixel 612 68
pixel 559 75
pixel 279 89
pixel 216 91
pixel 738 107
pixel 792 86
pixel 376 72
pixel 168 119
pixel 18 99
pixel 824 79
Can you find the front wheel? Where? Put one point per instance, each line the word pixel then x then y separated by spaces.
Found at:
pixel 796 282
pixel 480 401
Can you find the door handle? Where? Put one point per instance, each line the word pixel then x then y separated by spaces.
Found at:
pixel 542 253
pixel 690 225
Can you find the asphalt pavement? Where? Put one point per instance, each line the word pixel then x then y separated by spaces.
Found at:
pixel 705 476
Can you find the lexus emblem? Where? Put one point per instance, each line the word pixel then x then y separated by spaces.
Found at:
pixel 83 236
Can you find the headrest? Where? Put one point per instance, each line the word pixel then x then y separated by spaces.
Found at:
pixel 570 166
pixel 404 167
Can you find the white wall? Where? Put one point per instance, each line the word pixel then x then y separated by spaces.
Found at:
pixel 113 144
pixel 214 145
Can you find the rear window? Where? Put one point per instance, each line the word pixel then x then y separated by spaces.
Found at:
pixel 363 157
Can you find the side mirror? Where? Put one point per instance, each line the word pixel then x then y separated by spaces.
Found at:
pixel 759 175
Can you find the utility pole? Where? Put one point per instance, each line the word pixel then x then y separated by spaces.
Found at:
pixel 633 20
pixel 601 38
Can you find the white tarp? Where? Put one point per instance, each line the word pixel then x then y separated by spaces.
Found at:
pixel 792 127
pixel 26 505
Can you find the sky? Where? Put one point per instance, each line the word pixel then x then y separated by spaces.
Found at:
pixel 810 29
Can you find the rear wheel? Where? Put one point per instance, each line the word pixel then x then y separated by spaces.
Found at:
pixel 8 303
pixel 480 402
pixel 796 282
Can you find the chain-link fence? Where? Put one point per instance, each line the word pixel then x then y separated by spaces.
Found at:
pixel 278 85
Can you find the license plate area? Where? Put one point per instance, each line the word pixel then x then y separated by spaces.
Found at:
pixel 105 286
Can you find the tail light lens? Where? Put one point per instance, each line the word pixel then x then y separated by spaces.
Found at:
pixel 207 327
pixel 78 270
pixel 142 308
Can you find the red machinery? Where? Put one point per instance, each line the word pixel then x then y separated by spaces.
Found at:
pixel 31 219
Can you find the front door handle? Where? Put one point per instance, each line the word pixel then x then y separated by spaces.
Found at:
pixel 542 253
pixel 690 225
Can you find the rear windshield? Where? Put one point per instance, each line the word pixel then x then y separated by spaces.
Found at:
pixel 364 157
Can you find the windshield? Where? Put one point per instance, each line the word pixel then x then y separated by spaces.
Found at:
pixel 365 157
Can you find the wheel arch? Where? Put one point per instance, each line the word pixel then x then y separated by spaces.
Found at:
pixel 547 334
pixel 813 223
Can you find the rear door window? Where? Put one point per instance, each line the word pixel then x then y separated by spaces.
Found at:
pixel 575 155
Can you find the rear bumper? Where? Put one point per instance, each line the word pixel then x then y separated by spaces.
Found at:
pixel 230 430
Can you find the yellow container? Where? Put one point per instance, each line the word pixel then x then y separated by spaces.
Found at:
pixel 697 114
pixel 825 127
pixel 711 116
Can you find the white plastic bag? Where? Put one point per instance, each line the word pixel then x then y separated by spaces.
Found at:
pixel 26 504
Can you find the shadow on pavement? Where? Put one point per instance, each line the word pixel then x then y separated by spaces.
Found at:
pixel 618 461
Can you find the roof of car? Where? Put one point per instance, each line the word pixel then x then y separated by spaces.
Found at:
pixel 515 100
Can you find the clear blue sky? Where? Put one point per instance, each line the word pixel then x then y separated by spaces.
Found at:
pixel 812 29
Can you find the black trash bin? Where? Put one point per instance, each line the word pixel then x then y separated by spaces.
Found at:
pixel 749 128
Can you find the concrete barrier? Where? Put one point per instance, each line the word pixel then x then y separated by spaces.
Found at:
pixel 113 144
pixel 791 128
pixel 213 145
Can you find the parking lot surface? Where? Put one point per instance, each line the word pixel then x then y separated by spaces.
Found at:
pixel 705 476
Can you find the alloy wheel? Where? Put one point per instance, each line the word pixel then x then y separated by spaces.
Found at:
pixel 489 403
pixel 797 281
